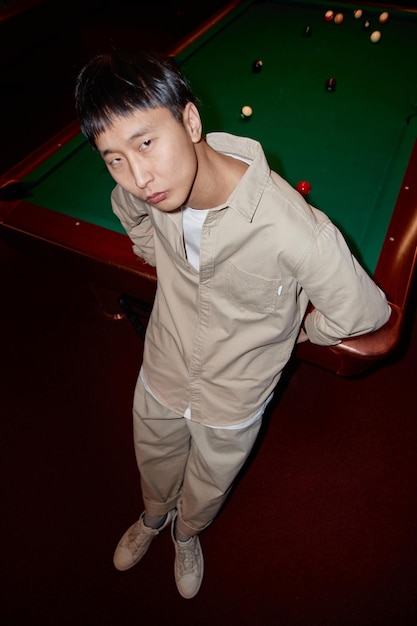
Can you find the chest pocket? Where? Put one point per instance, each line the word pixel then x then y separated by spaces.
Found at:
pixel 255 293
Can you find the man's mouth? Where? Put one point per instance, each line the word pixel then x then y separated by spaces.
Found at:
pixel 155 198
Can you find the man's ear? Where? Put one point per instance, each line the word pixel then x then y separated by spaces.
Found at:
pixel 192 121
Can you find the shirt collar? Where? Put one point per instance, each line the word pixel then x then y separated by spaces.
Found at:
pixel 246 196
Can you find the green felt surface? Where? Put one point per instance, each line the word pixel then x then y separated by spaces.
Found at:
pixel 352 145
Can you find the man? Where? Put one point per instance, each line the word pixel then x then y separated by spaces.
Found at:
pixel 239 255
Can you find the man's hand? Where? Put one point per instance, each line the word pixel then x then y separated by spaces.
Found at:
pixel 302 336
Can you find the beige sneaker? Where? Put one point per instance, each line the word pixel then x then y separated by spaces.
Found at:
pixel 136 541
pixel 189 564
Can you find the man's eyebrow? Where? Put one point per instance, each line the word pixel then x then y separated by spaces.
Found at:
pixel 140 133
pixel 136 135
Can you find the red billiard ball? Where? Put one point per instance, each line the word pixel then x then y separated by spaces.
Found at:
pixel 303 187
pixel 331 84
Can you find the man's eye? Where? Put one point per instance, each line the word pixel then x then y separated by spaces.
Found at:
pixel 145 144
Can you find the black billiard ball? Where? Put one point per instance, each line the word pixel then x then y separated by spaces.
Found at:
pixel 366 25
pixel 257 66
pixel 330 84
pixel 307 31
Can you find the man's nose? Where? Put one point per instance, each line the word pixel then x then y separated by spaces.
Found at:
pixel 142 176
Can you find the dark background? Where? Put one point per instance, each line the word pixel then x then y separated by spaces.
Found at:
pixel 43 47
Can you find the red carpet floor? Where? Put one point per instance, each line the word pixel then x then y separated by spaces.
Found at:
pixel 320 531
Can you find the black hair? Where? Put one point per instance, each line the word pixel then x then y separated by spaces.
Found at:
pixel 117 83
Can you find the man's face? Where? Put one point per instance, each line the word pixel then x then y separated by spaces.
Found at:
pixel 152 155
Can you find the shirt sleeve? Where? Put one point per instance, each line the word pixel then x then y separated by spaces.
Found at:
pixel 136 222
pixel 346 301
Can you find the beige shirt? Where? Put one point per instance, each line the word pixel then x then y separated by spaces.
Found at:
pixel 220 338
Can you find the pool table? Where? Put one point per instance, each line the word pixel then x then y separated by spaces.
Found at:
pixel 355 145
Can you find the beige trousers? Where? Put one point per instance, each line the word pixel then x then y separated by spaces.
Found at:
pixel 185 465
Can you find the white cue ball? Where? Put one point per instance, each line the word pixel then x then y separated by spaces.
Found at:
pixel 246 111
pixel 338 18
pixel 375 36
pixel 384 17
pixel 357 14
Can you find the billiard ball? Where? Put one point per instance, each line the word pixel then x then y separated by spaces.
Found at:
pixel 246 112
pixel 328 16
pixel 331 84
pixel 384 17
pixel 338 18
pixel 257 66
pixel 307 31
pixel 357 14
pixel 303 187
pixel 366 25
pixel 375 36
